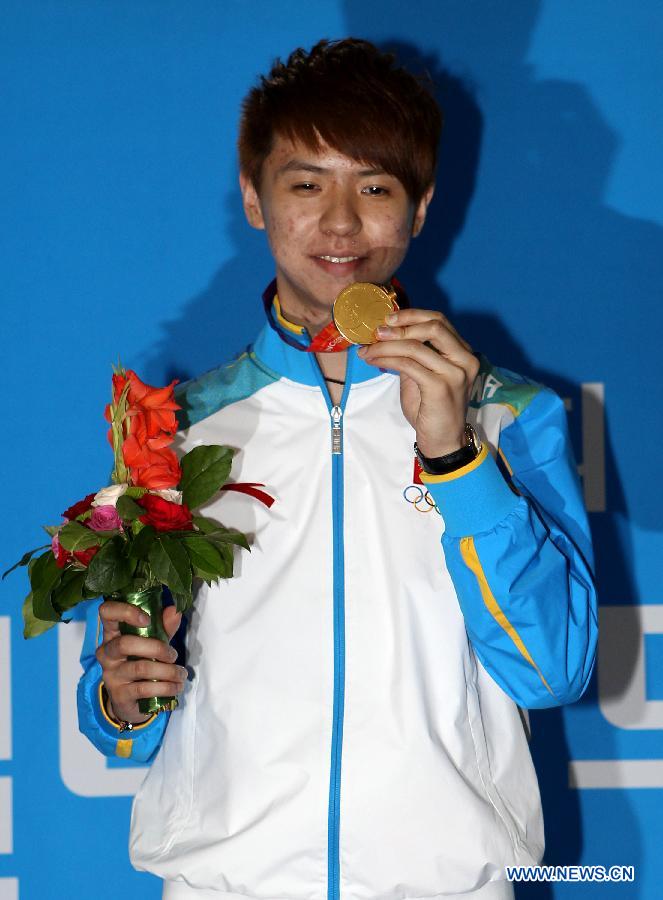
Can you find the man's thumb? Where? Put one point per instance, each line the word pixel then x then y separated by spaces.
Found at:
pixel 171 620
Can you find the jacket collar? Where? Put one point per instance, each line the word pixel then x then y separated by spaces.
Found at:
pixel 281 345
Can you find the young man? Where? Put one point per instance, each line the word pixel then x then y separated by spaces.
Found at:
pixel 351 725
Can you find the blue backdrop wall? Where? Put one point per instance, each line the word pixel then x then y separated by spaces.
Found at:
pixel 122 233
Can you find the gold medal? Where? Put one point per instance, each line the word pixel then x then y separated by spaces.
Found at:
pixel 360 308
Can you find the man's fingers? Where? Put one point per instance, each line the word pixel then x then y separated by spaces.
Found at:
pixel 422 374
pixel 147 669
pixel 436 334
pixel 134 645
pixel 113 612
pixel 428 337
pixel 406 317
pixel 171 620
pixel 136 690
pixel 434 362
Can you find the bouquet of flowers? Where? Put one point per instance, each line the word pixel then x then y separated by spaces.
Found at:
pixel 129 540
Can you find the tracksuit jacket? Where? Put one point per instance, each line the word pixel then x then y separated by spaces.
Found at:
pixel 352 727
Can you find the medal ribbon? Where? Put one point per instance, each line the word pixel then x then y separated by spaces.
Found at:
pixel 329 340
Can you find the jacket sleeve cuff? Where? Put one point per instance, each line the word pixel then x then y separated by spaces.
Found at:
pixel 97 725
pixel 105 719
pixel 474 498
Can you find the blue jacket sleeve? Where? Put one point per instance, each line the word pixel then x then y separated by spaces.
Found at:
pixel 143 741
pixel 519 552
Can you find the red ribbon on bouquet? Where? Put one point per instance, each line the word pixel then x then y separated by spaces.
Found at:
pixel 250 488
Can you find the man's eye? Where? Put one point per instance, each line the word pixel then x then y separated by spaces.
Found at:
pixel 306 186
pixel 375 190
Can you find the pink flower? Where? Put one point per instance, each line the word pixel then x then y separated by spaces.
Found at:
pixel 104 518
pixel 60 554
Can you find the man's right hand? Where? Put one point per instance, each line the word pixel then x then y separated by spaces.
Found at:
pixel 128 680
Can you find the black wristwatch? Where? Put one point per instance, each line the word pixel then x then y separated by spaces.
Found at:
pixel 442 465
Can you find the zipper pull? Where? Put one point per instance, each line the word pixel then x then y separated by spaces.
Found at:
pixel 336 433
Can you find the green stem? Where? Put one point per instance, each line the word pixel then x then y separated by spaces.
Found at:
pixel 149 600
pixel 118 415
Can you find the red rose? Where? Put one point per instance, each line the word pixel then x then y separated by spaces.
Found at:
pixel 84 556
pixel 78 508
pixel 62 556
pixel 164 515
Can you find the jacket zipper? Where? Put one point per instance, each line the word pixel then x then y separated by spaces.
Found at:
pixel 337 431
pixel 336 418
pixel 333 886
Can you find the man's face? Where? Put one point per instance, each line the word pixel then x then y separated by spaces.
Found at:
pixel 318 207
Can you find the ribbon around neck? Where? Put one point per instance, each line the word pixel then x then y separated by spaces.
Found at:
pixel 329 340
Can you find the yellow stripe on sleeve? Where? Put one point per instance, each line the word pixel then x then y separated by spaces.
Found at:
pixel 123 749
pixel 471 560
pixel 112 721
pixel 505 461
pixel 427 478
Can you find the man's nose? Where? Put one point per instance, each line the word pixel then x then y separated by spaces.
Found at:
pixel 340 215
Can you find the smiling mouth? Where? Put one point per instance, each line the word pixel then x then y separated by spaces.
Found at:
pixel 339 259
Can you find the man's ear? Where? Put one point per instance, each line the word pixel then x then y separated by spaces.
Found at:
pixel 420 214
pixel 251 202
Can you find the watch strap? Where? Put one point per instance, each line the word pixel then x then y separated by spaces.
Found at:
pixel 450 462
pixel 121 723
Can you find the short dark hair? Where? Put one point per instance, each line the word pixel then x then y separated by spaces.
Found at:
pixel 357 100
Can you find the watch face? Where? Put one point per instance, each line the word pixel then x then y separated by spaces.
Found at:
pixel 473 438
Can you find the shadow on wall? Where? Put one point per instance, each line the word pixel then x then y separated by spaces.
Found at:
pixel 540 216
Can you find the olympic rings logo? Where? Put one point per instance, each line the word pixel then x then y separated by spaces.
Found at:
pixel 420 499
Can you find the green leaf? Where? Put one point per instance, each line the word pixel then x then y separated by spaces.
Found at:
pixel 221 535
pixel 226 536
pixel 51 530
pixel 182 601
pixel 75 536
pixel 25 559
pixel 170 564
pixel 86 593
pixel 70 590
pixel 32 626
pixel 128 509
pixel 140 546
pixel 110 569
pixel 206 560
pixel 45 575
pixel 204 470
pixel 205 525
pixel 226 552
pixel 133 491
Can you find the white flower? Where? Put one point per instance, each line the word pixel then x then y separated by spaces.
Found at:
pixel 109 496
pixel 169 494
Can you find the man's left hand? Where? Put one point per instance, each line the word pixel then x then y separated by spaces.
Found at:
pixel 437 370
